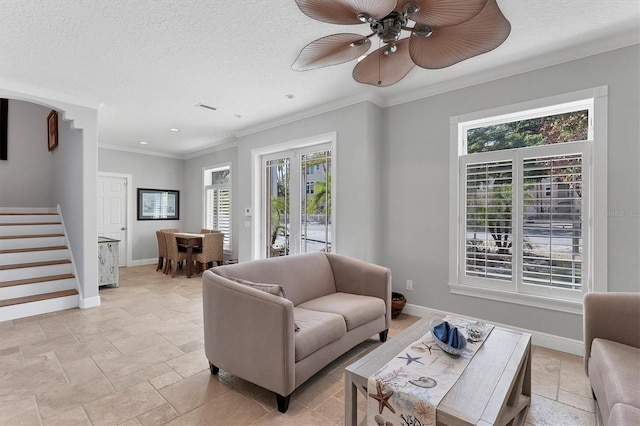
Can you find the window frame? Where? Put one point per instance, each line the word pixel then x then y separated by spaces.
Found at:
pixel 207 184
pixel 595 214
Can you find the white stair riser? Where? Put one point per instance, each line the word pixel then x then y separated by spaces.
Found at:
pixel 28 210
pixel 34 229
pixel 36 288
pixel 19 243
pixel 29 219
pixel 40 307
pixel 33 256
pixel 35 272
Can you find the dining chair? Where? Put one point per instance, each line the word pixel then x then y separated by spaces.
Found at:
pixel 212 251
pixel 162 251
pixel 173 255
pixel 171 230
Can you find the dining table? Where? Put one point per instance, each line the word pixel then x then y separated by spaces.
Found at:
pixel 189 240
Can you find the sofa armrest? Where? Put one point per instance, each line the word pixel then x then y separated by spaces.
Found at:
pixel 611 316
pixel 359 277
pixel 249 333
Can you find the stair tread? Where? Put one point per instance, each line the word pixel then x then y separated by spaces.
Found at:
pixel 12 237
pixel 36 280
pixel 34 264
pixel 29 223
pixel 37 297
pixel 30 249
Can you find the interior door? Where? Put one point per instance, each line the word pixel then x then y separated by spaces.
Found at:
pixel 112 212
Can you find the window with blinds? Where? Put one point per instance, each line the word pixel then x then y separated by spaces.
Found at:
pixel 552 226
pixel 524 199
pixel 217 202
pixel 489 220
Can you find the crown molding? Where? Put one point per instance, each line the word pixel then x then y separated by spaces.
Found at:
pixel 221 145
pixel 312 112
pixel 140 151
pixel 561 56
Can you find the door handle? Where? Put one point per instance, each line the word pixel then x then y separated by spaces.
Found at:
pixel 123 229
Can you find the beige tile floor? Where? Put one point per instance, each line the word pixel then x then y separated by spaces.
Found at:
pixel 138 359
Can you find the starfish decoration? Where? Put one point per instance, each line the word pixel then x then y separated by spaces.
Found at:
pixel 411 359
pixel 382 398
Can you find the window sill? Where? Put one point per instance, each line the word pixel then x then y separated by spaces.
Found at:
pixel 562 305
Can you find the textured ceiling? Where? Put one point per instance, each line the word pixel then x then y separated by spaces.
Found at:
pixel 149 62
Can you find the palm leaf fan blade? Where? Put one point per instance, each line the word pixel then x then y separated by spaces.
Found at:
pixel 331 50
pixel 380 69
pixel 441 13
pixel 447 46
pixel 345 11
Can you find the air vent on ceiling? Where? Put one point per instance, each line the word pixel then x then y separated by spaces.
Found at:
pixel 206 107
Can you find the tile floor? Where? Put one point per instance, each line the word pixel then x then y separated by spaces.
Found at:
pixel 138 359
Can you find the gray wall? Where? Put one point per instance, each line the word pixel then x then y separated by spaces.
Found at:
pixel 416 188
pixel 357 170
pixel 148 172
pixel 67 191
pixel 27 150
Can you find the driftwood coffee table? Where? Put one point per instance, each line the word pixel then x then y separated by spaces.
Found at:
pixel 495 388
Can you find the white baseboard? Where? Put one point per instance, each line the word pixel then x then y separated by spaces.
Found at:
pixel 142 262
pixel 89 302
pixel 558 343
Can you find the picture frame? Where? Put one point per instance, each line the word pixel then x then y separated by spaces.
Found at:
pixel 52 127
pixel 158 204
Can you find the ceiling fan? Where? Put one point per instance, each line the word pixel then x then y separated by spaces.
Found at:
pixel 441 33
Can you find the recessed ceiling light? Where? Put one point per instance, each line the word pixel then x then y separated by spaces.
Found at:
pixel 144 143
pixel 174 129
pixel 289 96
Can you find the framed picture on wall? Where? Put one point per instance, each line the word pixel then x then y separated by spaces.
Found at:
pixel 158 204
pixel 52 126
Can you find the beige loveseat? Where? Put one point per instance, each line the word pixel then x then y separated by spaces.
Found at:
pixel 612 354
pixel 334 302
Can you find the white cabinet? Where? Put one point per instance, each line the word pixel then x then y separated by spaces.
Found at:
pixel 108 261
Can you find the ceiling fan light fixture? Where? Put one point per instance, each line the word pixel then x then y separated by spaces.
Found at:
pixel 423 32
pixel 442 33
pixel 409 8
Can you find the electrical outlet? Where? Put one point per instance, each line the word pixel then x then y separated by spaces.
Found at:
pixel 410 285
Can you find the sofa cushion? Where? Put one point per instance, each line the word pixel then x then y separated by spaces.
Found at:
pixel 614 373
pixel 304 276
pixel 275 289
pixel 355 309
pixel 624 415
pixel 317 329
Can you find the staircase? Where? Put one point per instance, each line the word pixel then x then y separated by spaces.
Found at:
pixel 36 271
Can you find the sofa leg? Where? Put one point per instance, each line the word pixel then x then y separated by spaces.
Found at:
pixel 283 402
pixel 214 369
pixel 383 335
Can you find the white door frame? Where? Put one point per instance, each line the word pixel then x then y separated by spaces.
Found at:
pixel 129 179
pixel 257 246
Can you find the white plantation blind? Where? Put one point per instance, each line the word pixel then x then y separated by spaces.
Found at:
pixel 218 210
pixel 553 221
pixel 489 220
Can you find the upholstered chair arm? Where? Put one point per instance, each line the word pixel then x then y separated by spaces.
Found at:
pixel 249 333
pixel 358 277
pixel 611 316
